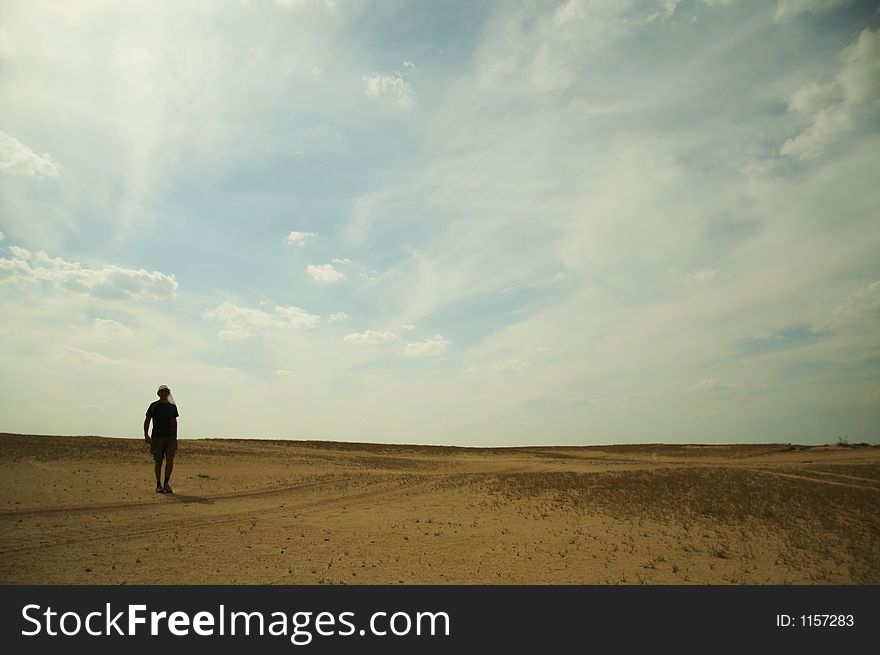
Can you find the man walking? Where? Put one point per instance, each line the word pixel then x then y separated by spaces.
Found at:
pixel 163 444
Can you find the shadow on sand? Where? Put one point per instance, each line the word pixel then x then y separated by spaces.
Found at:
pixel 183 498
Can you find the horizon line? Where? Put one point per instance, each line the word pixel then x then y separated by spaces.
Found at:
pixel 845 444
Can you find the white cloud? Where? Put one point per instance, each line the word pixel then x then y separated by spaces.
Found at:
pixel 860 76
pixel 811 98
pixel 342 260
pixel 337 316
pixel 87 358
pixel 768 336
pixel 436 346
pixel 372 337
pixel 702 276
pixel 295 317
pixel 551 50
pixel 325 273
pixel 109 327
pixel 827 125
pixel 407 327
pixel 299 4
pixel 17 159
pixel 433 347
pixel 393 86
pixel 667 8
pixel 2 236
pixel 511 366
pixel 861 309
pixel 108 281
pixel 714 385
pixel 242 322
pixel 787 9
pixel 570 11
pixel 300 238
pixel 838 107
pixel 7 48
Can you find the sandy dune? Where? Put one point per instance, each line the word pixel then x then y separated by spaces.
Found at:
pixel 83 510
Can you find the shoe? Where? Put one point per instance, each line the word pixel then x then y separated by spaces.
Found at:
pixel 167 489
pixel 159 489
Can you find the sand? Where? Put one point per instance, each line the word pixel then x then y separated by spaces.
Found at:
pixel 83 510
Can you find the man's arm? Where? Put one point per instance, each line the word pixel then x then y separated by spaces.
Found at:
pixel 147 430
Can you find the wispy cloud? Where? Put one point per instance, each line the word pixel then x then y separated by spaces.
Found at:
pixel 392 85
pixel 372 337
pixel 860 310
pixel 666 10
pixel 244 322
pixel 842 105
pixel 788 9
pixel 436 346
pixel 511 366
pixel 714 385
pixel 299 4
pixel 702 276
pixel 88 358
pixel 109 327
pixel 784 338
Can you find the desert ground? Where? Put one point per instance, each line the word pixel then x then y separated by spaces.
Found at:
pixel 84 510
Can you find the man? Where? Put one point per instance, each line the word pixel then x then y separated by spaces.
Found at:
pixel 163 444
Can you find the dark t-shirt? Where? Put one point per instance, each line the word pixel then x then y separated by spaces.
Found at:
pixel 163 415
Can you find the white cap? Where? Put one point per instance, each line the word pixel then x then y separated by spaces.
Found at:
pixel 163 387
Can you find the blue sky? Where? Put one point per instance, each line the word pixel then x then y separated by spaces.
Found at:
pixel 493 223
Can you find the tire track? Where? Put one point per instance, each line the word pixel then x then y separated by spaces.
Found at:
pixel 872 481
pixel 150 504
pixel 162 526
pixel 795 476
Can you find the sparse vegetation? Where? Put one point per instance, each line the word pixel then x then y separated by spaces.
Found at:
pixel 812 516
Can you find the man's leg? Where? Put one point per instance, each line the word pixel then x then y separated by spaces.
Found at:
pixel 169 466
pixel 158 471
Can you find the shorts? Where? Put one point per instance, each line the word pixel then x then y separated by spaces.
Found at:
pixel 162 447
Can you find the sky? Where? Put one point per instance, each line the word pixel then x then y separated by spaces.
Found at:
pixel 467 223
